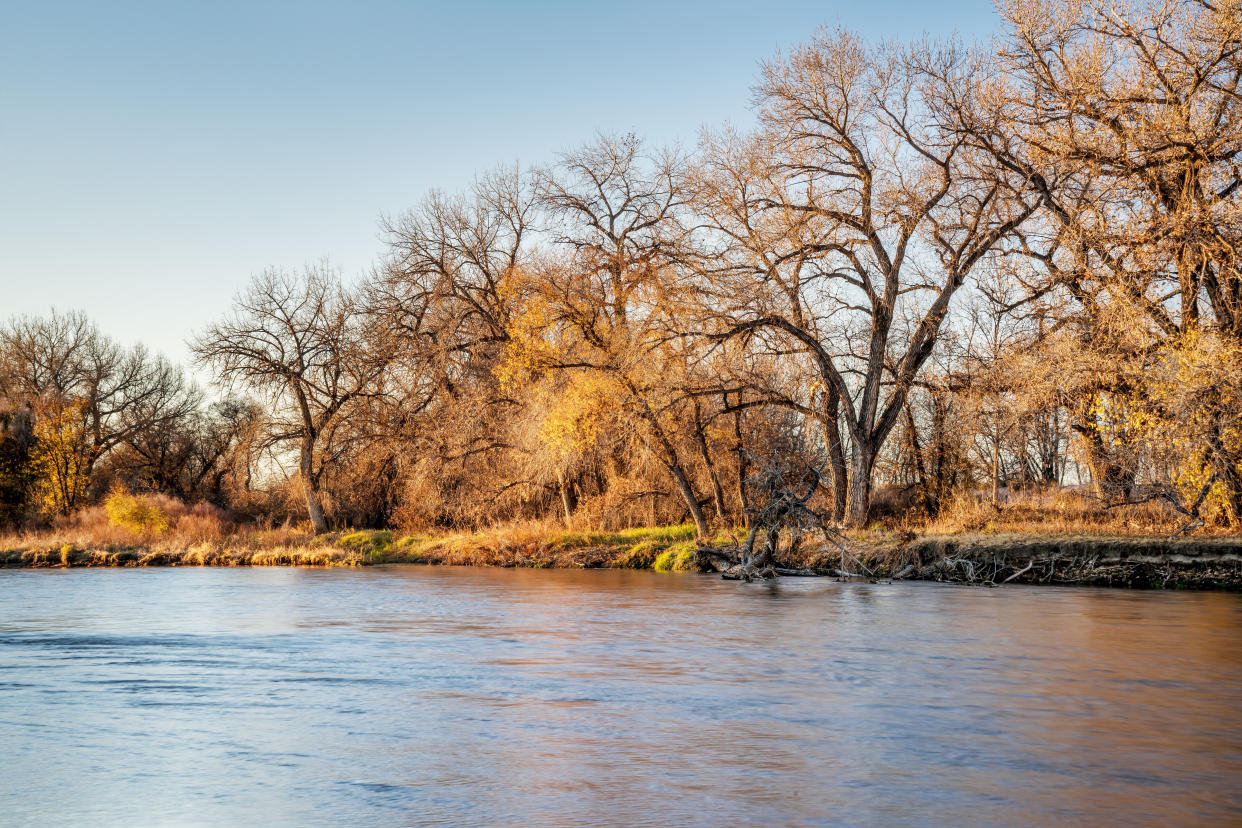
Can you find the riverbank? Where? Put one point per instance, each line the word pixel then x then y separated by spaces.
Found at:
pixel 665 548
pixel 1120 561
pixel 1100 560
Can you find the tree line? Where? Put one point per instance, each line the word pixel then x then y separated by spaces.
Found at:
pixel 928 269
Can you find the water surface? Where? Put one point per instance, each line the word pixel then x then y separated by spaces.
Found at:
pixel 428 696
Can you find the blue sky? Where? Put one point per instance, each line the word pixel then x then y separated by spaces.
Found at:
pixel 155 155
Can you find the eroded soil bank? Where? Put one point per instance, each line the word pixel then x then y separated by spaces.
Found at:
pixel 1185 563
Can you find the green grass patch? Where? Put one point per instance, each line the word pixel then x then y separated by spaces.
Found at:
pixel 642 547
pixel 662 535
pixel 371 542
pixel 679 557
pixel 639 556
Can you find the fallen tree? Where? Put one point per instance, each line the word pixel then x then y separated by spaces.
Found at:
pixel 784 511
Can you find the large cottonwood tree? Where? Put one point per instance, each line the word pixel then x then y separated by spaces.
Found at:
pixel 1126 120
pixel 616 276
pixel 849 221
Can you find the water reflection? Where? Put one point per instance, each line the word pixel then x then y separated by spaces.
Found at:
pixel 485 697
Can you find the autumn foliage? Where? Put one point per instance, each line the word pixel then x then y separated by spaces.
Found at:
pixel 933 282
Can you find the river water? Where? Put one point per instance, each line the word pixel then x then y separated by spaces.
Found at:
pixel 429 696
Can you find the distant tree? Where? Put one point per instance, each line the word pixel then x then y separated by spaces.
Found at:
pixel 17 471
pixel 88 394
pixel 207 455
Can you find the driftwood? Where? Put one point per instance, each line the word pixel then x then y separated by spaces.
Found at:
pixel 796 573
pixel 1020 572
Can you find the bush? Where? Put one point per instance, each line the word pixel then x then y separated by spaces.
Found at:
pixel 134 512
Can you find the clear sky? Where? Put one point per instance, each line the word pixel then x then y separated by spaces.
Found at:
pixel 155 155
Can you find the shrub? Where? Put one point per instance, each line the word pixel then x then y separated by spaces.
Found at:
pixel 202 523
pixel 134 512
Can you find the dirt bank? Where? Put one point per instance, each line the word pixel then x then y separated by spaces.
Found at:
pixel 1208 563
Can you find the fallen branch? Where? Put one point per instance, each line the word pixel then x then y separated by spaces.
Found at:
pixel 841 573
pixel 1021 571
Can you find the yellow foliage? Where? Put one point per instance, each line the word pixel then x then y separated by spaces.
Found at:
pixel 61 459
pixel 579 413
pixel 134 512
pixel 529 352
pixel 1190 409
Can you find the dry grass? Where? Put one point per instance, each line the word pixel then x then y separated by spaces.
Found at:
pixel 538 544
pixel 200 537
pixel 194 547
pixel 1055 512
pixel 184 535
pixel 203 536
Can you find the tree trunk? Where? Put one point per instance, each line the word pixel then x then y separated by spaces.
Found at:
pixel 996 445
pixel 673 463
pixel 1112 479
pixel 859 508
pixel 311 486
pixel 836 454
pixel 568 501
pixel 916 452
pixel 742 500
pixel 692 502
pixel 705 452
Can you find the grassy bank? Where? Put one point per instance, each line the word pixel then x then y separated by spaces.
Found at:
pixel 663 548
pixel 974 557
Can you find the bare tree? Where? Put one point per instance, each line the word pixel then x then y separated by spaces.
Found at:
pixel 851 219
pixel 458 258
pixel 209 454
pixel 1126 120
pixel 300 340
pixel 450 285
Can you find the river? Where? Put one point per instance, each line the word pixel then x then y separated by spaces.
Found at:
pixel 446 696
